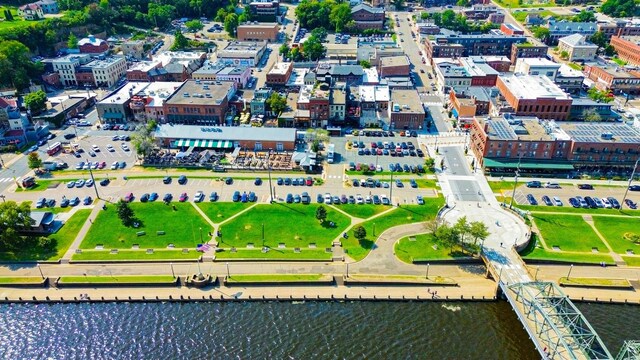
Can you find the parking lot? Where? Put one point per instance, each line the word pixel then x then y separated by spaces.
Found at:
pixel 567 191
pixel 353 155
pixel 102 154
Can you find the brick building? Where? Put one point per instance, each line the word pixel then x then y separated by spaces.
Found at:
pixel 367 17
pixel 406 111
pixel 527 50
pixel 534 96
pixel 620 27
pixel 613 78
pixel 254 31
pixel 451 44
pixel 199 103
pixel 279 74
pixel 92 45
pixel 265 10
pixel 313 105
pixel 510 29
pixel 470 102
pixel 628 48
pixel 394 66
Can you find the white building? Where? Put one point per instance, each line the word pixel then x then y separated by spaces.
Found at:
pixel 537 67
pixel 107 72
pixel 66 67
pixel 578 48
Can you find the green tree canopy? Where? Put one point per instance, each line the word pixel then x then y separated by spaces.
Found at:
pixel 14 217
pixel 36 101
pixel 599 95
pixel 541 33
pixel 231 24
pixel 16 67
pixel 340 16
pixel 143 139
pixel 277 103
pixel 360 232
pixel 620 8
pixel 125 213
pixel 72 41
pixel 34 160
pixel 194 25
pixel 321 213
pixel 180 42
pixel 584 16
pixel 313 49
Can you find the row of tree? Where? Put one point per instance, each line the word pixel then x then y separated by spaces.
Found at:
pixel 328 14
pixel 463 233
pixel 15 218
pixel 620 8
pixel 311 50
pixel 448 19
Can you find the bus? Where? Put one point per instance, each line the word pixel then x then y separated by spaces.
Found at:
pixel 54 148
pixel 331 153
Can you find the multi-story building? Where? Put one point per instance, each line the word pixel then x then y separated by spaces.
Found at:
pixel 114 108
pixel 338 103
pixel 147 71
pixel 31 11
pixel 10 116
pixel 428 28
pixel 569 80
pixel 450 43
pixel 313 105
pixel 66 67
pixel 628 48
pixel 242 53
pixel 179 65
pixel 258 104
pixel 367 17
pixel 480 11
pixel 527 50
pixel 496 18
pixel 510 29
pixel 620 27
pixel 537 66
pixel 546 147
pixel 373 104
pixel 374 53
pixel 534 96
pixel 106 72
pixel 450 74
pixel 279 74
pixel 133 49
pixel 265 10
pixel 481 70
pixel 220 72
pixel 92 45
pixel 394 66
pixel 406 111
pixel 255 31
pixel 147 103
pixel 199 102
pixel 48 6
pixel 577 47
pixel 613 78
pixel 582 107
pixel 331 73
pixel 562 28
pixel 473 101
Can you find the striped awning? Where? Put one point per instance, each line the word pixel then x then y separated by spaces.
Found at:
pixel 209 144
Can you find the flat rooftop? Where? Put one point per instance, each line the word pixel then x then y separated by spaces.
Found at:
pixel 239 48
pixel 226 133
pixel 297 77
pixel 373 93
pixel 528 128
pixel 198 92
pixel 121 95
pixel 158 92
pixel 532 87
pixel 409 101
pixel 617 72
pixel 566 71
pixel 280 68
pixel 144 66
pixel 394 61
pixel 167 57
pixel 592 132
pixel 308 92
pixel 257 25
pixel 539 61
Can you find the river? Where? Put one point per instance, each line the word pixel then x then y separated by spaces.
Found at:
pixel 272 330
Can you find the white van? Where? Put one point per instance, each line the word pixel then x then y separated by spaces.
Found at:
pixel 552 185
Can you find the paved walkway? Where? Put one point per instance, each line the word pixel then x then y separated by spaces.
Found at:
pixel 97 207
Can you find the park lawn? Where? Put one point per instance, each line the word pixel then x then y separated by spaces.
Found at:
pixel 498 186
pixel 570 209
pixel 422 248
pixel 295 225
pixel 569 232
pixel 632 260
pixel 613 229
pixel 221 211
pixel 42 185
pixel 575 66
pixel 181 227
pixel 587 282
pixel 572 258
pixel 426 183
pixel 18 22
pixel 278 278
pixel 15 280
pixel 274 254
pixel 64 238
pixel 406 214
pixel 363 211
pixel 118 279
pixel 137 255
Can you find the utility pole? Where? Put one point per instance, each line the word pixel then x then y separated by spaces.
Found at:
pixel 515 186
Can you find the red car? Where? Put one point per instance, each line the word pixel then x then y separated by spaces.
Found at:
pixel 309 181
pixel 128 197
pixel 183 197
pixel 102 165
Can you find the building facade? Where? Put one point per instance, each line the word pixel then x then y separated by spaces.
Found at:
pixel 527 50
pixel 199 103
pixel 92 45
pixel 578 48
pixel 279 74
pixel 254 31
pixel 628 48
pixel 367 17
pixel 534 96
pixel 612 78
pixel 493 43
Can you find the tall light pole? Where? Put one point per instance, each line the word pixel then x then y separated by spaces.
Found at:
pixel 270 184
pixel 569 273
pixel 95 186
pixel 391 187
pixel 515 186
pixel 633 174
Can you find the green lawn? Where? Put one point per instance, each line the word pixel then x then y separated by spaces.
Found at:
pixel 138 255
pixel 277 278
pixel 525 4
pixel 6 280
pixel 295 225
pixel 422 248
pixel 588 282
pixel 221 211
pixel 363 211
pixel 42 185
pixel 118 279
pixel 569 232
pixel 632 260
pixel 613 229
pixel 426 183
pixel 18 22
pixel 274 254
pixel 572 210
pixel 575 66
pixel 181 227
pixel 497 186
pixel 64 238
pixel 535 251
pixel 618 61
pixel 406 214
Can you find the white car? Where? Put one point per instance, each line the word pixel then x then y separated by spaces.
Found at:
pixel 114 166
pixel 95 148
pixel 125 147
pixel 327 198
pixel 86 166
pixel 606 203
pixel 198 197
pixel 557 201
pixel 359 199
pixel 110 148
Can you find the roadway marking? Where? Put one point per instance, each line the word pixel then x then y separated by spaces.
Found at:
pixel 5 180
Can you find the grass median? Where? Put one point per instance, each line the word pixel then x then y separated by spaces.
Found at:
pixel 221 211
pixel 275 254
pixel 118 279
pixel 594 282
pixel 137 255
pixel 535 252
pixel 569 232
pixel 424 247
pixel 182 227
pixel 282 278
pixel 19 280
pixel 406 214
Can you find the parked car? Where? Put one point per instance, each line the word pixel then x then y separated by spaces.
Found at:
pixel 144 197
pixel 40 203
pixel 280 181
pixel 413 183
pixel 166 180
pixel 75 201
pixel 213 196
pixel 532 200
pixel 289 198
pixel 634 188
pixel 104 182
pixel 547 201
pixel 228 181
pixel 198 197
pixel 534 184
pixel 64 202
pixel 305 198
pixel 129 197
pixel 153 196
pixel 236 196
pixel 71 184
pixel 182 180
pixel 80 183
pixel 614 202
pixel 630 204
pixel 585 186
pixel 557 201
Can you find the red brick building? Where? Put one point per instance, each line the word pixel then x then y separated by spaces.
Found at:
pixel 254 31
pixel 534 96
pixel 367 17
pixel 394 66
pixel 613 78
pixel 510 29
pixel 406 111
pixel 527 50
pixel 279 74
pixel 628 49
pixel 199 102
pixel 92 45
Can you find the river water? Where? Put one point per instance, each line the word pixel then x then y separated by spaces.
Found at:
pixel 271 330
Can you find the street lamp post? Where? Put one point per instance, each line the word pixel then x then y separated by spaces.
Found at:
pixel 347 269
pixel 513 195
pixel 95 186
pixel 374 229
pixel 428 265
pixel 200 235
pixel 172 272
pixel 262 234
pixel 3 198
pixel 270 184
pixel 536 277
pixel 40 269
pixel 391 187
pixel 633 174
pixel 569 273
pixel 228 274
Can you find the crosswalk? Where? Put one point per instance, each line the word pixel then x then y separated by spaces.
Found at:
pixel 433 104
pixel 2 180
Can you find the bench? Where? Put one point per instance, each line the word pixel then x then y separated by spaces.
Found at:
pixel 160 232
pixel 141 233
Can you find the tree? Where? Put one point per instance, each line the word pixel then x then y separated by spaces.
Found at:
pixel 277 103
pixel 591 115
pixel 72 41
pixel 194 25
pixel 463 227
pixel 180 42
pixel 14 217
pixel 340 16
pixel 600 96
pixel 321 213
pixel 399 4
pixel 284 50
pixel 8 15
pixel 447 236
pixel 620 8
pixel 584 16
pixel 430 163
pixel 432 225
pixel 541 33
pixel 360 233
pixel 161 15
pixel 463 3
pixel 313 49
pixel 220 15
pixel 16 67
pixel 36 101
pixel 320 33
pixel 600 39
pixel 34 160
pixel 125 213
pixel 231 24
pixel 478 231
pixel 564 55
pixel 143 139
pixel 365 64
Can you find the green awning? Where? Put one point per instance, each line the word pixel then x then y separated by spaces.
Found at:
pixel 209 144
pixel 490 163
pixel 112 115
